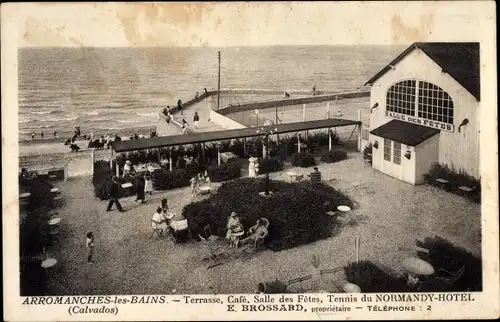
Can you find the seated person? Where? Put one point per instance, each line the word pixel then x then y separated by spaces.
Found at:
pixel 234 228
pixel 315 175
pixel 159 221
pixel 256 232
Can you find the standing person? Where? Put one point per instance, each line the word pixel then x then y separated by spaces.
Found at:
pixel 314 90
pixel 148 186
pixel 140 186
pixel 41 134
pixel 89 244
pixel 185 126
pixel 32 136
pixel 194 186
pixel 78 131
pixel 252 168
pixel 113 195
pixel 205 91
pixel 196 120
pixel 55 134
pixel 196 95
pixel 179 106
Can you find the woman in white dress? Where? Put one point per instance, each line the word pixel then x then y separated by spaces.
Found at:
pixel 252 171
pixel 148 187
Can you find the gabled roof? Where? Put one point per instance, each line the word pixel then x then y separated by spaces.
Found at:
pixel 404 132
pixel 460 60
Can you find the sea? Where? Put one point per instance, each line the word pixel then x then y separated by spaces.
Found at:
pixel 115 90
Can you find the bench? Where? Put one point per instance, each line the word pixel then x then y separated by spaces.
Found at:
pixel 442 183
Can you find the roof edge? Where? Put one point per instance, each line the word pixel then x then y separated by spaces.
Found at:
pixel 393 62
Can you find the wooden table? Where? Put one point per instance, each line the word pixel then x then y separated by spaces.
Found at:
pixel 49 262
pixel 418 266
pixel 226 156
pixel 293 175
pixel 24 195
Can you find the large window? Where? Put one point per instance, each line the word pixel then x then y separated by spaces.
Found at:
pixel 401 97
pixel 387 150
pixel 432 102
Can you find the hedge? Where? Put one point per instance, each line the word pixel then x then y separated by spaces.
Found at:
pixel 456 179
pixel 334 156
pixel 295 210
pixel 372 279
pixel 303 159
pixel 443 254
pixel 162 180
pixel 270 165
pixel 34 235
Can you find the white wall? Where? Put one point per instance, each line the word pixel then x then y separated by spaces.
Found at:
pixel 224 121
pixel 426 154
pixel 458 149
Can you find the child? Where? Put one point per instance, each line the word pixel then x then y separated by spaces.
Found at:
pixel 148 188
pixel 90 247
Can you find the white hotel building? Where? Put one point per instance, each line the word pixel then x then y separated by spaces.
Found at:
pixel 425 110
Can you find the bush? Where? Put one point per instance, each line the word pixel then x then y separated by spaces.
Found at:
pixel 224 172
pixel 334 156
pixel 443 254
pixel 372 279
pixel 295 210
pixel 367 153
pixel 303 159
pixel 456 179
pixel 270 165
pixel 166 180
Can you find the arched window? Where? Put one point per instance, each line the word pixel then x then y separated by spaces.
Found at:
pixel 401 97
pixel 432 102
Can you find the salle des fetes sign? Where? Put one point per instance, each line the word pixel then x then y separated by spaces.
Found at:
pixel 421 121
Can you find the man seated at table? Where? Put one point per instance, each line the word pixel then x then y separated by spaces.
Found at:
pixel 257 232
pixel 315 175
pixel 159 221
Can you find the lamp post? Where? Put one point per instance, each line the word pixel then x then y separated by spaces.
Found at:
pixel 266 132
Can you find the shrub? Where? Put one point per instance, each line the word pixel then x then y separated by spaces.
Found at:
pixel 295 210
pixel 303 159
pixel 334 156
pixel 443 254
pixel 270 165
pixel 224 172
pixel 456 179
pixel 372 279
pixel 166 180
pixel 367 153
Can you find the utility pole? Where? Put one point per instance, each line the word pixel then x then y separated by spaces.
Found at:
pixel 218 83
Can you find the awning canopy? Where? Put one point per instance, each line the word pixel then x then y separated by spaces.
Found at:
pixel 404 132
pixel 174 140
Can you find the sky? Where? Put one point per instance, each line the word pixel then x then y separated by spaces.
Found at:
pixel 244 24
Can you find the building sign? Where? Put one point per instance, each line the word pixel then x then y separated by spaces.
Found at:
pixel 421 121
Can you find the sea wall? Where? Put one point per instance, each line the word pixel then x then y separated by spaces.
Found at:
pixel 292 101
pixel 224 121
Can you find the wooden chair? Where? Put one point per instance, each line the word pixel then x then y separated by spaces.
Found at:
pixel 208 233
pixel 214 252
pixel 448 277
pixel 300 280
pixel 158 232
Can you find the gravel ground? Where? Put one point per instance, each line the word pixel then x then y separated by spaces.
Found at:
pixel 390 215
